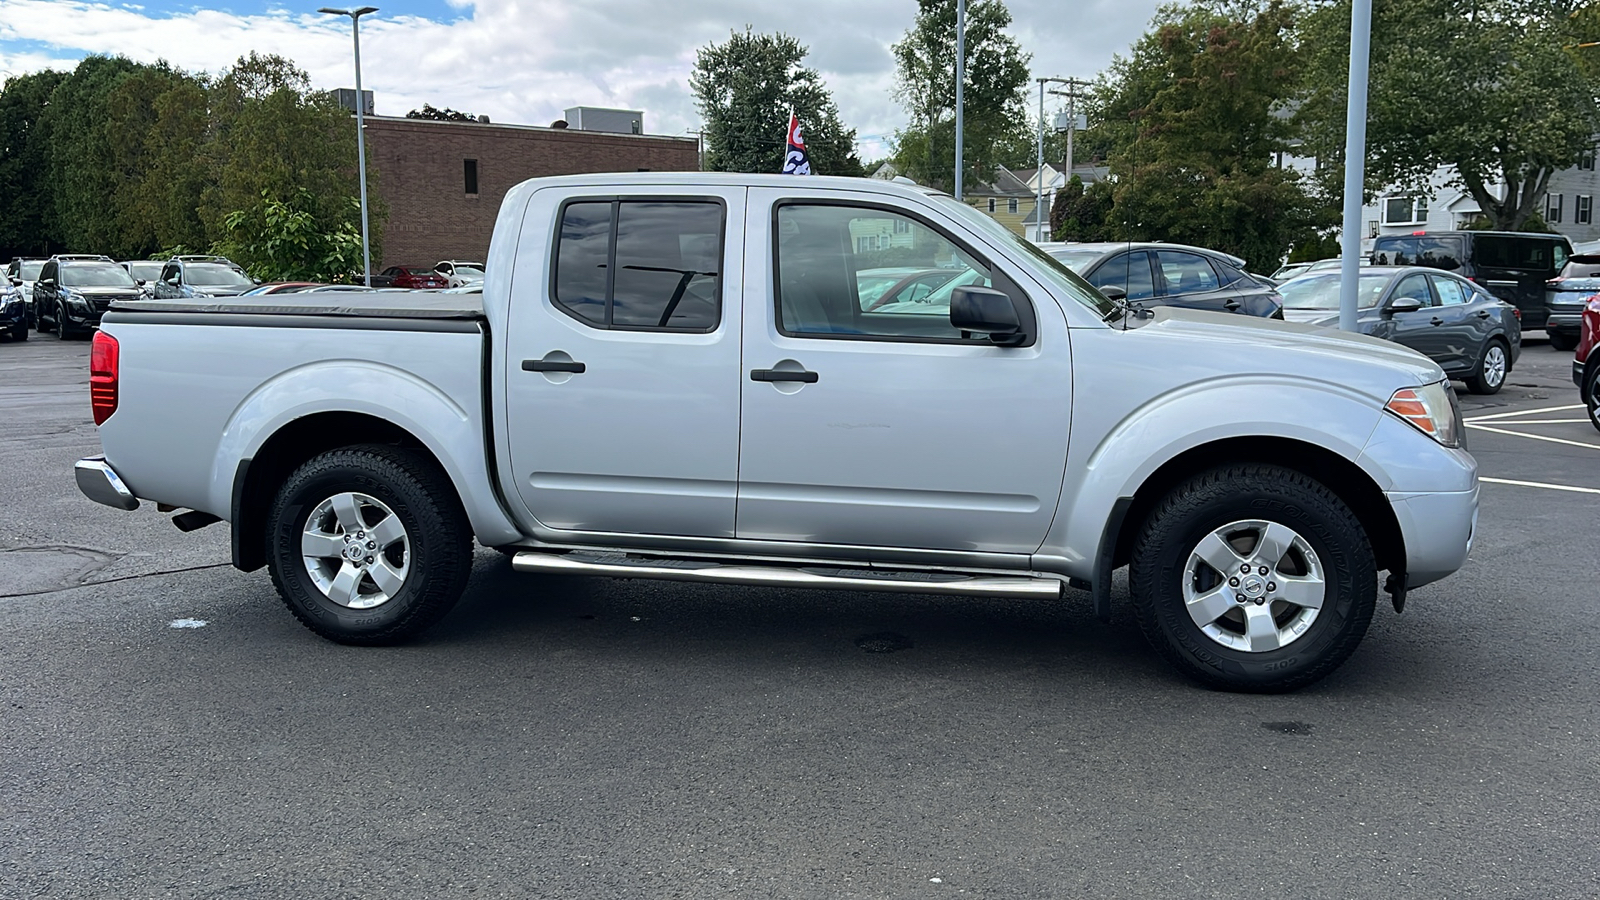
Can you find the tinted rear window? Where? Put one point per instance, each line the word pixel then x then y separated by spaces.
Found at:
pixel 1418 250
pixel 1585 266
pixel 1529 254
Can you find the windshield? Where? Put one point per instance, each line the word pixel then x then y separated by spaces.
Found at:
pixel 1066 281
pixel 1076 259
pixel 215 274
pixel 468 272
pixel 95 275
pixel 145 271
pixel 1322 291
pixel 30 270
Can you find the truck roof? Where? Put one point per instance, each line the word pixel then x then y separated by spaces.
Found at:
pixel 735 179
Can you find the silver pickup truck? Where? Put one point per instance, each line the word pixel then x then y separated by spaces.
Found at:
pixel 686 376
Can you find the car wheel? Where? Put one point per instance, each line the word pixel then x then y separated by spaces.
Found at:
pixel 1492 369
pixel 1253 578
pixel 1563 343
pixel 1591 394
pixel 62 331
pixel 20 333
pixel 368 544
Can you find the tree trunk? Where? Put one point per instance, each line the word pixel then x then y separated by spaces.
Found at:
pixel 1522 196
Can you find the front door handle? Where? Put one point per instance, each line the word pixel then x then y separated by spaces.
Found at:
pixel 1232 305
pixel 1437 321
pixel 553 365
pixel 771 375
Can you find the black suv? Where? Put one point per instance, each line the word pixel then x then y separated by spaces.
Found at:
pixel 199 276
pixel 1511 265
pixel 74 290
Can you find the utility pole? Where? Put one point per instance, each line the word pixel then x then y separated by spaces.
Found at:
pixel 361 129
pixel 1073 85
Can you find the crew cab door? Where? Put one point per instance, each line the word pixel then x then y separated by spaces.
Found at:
pixel 888 427
pixel 622 361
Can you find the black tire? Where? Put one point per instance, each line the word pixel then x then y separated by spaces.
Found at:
pixel 1198 508
pixel 20 333
pixel 63 330
pixel 436 555
pixel 1591 395
pixel 1488 379
pixel 1563 343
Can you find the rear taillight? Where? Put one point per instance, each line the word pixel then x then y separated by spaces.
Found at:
pixel 1516 312
pixel 104 358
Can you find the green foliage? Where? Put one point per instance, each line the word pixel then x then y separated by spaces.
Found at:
pixel 24 163
pixel 285 241
pixel 1492 89
pixel 995 122
pixel 1082 214
pixel 1324 246
pixel 1191 120
pixel 1534 222
pixel 745 89
pixel 428 111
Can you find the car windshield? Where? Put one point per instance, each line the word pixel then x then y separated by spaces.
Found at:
pixel 145 271
pixel 95 274
pixel 1075 259
pixel 1058 275
pixel 1322 291
pixel 215 274
pixel 30 270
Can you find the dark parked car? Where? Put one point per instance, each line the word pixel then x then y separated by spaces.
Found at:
pixel 1586 364
pixel 280 287
pixel 1171 275
pixel 22 273
pixel 13 312
pixel 200 276
pixel 412 277
pixel 1471 334
pixel 1511 265
pixel 1565 296
pixel 74 291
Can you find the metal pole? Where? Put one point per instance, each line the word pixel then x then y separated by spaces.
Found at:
pixel 361 155
pixel 1355 162
pixel 1072 123
pixel 961 77
pixel 1038 174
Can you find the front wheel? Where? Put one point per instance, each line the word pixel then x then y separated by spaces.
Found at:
pixel 1253 578
pixel 1492 369
pixel 1592 397
pixel 368 544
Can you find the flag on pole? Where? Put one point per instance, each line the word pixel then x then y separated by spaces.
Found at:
pixel 795 160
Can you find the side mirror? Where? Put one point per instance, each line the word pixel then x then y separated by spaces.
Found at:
pixel 1112 292
pixel 987 311
pixel 1403 305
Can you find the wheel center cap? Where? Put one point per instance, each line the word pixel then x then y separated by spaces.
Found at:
pixel 354 553
pixel 1253 586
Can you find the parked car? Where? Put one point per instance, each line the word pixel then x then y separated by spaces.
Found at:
pixel 75 290
pixel 457 273
pixel 667 406
pixel 1514 266
pixel 1295 270
pixel 143 271
pixel 413 277
pixel 921 286
pixel 280 287
pixel 201 276
pixel 14 319
pixel 22 272
pixel 1565 297
pixel 1170 275
pixel 1586 363
pixel 1472 335
pixel 875 282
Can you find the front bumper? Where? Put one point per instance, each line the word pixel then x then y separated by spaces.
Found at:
pixel 101 483
pixel 1438 528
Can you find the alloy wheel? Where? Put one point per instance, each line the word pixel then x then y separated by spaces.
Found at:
pixel 356 550
pixel 1254 585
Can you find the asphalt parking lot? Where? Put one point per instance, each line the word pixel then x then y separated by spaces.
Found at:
pixel 574 737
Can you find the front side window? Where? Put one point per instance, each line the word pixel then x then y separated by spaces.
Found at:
pixel 820 269
pixel 1415 287
pixel 641 264
pixel 1186 273
pixel 1129 271
pixel 170 273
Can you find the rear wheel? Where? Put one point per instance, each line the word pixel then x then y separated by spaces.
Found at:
pixel 20 333
pixel 1563 343
pixel 368 545
pixel 1253 578
pixel 1591 396
pixel 1492 369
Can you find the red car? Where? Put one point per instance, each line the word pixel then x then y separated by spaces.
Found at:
pixel 415 277
pixel 1586 364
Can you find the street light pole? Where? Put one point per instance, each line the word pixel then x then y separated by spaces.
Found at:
pixel 1355 162
pixel 361 133
pixel 961 78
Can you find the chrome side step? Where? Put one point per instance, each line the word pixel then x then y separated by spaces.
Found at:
pixel 778 576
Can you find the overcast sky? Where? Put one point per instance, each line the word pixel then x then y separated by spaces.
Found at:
pixel 524 61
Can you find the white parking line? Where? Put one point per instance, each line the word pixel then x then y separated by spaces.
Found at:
pixel 1540 484
pixel 1523 412
pixel 1533 437
pixel 1546 422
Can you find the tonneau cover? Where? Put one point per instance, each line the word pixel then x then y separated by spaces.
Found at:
pixel 378 304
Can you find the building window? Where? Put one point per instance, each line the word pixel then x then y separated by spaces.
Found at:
pixel 867 243
pixel 991 204
pixel 1405 211
pixel 1583 210
pixel 1554 206
pixel 1372 228
pixel 1011 206
pixel 1586 160
pixel 469 172
pixel 902 226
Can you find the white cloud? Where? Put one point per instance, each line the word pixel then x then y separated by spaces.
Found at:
pixel 527 60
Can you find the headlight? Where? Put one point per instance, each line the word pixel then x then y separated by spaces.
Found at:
pixel 1432 410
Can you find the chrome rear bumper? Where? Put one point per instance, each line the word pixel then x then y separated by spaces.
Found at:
pixel 100 483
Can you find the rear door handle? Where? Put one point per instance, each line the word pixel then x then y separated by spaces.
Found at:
pixel 771 375
pixel 553 365
pixel 1483 314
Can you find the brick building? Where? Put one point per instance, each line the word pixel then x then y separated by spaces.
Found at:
pixel 443 181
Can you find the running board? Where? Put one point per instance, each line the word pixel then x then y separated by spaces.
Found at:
pixel 776 576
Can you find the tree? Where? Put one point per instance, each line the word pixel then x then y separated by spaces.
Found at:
pixel 1490 89
pixel 994 113
pixel 84 180
pixel 745 89
pixel 1082 214
pixel 277 240
pixel 1192 119
pixel 24 161
pixel 447 114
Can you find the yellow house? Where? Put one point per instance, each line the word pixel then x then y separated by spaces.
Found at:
pixel 1008 199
